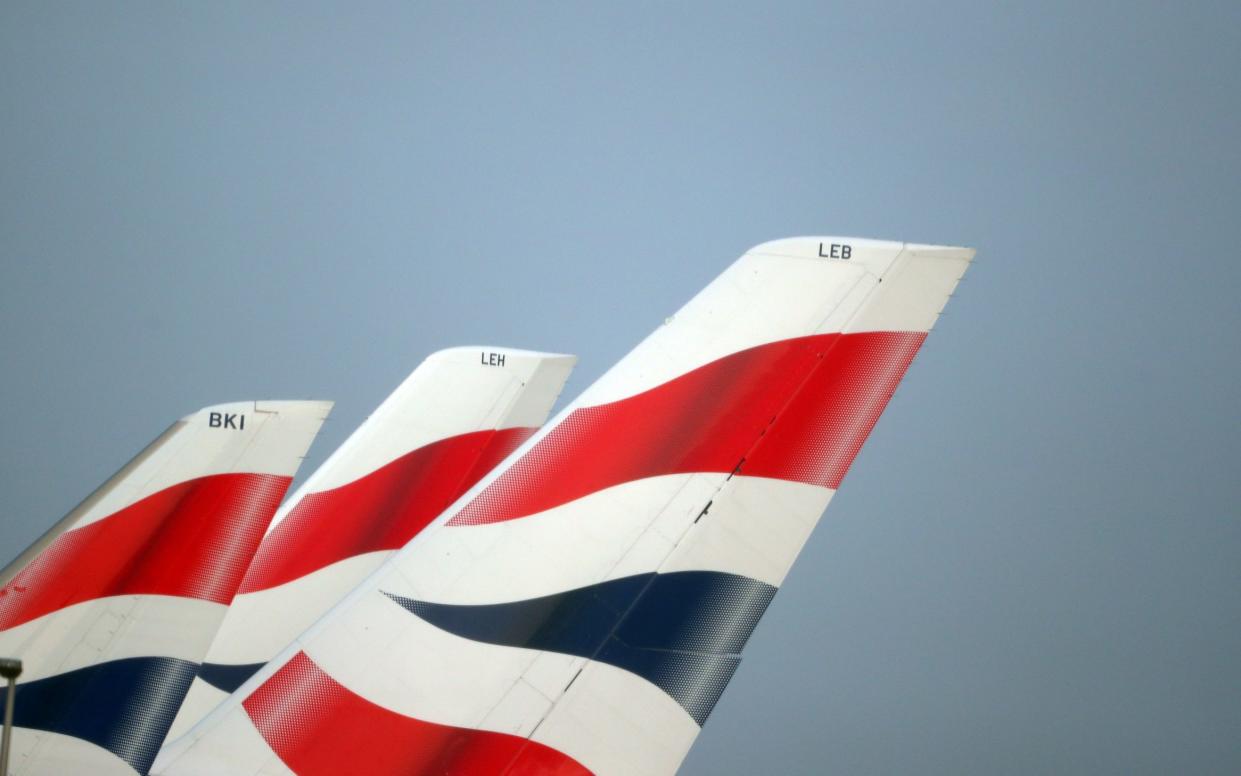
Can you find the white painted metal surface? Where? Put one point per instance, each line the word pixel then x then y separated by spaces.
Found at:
pixel 532 528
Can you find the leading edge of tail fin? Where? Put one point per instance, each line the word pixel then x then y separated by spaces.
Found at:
pixel 457 415
pixel 112 610
pixel 597 590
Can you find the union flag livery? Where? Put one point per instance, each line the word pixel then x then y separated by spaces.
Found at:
pixel 461 412
pixel 113 609
pixel 584 605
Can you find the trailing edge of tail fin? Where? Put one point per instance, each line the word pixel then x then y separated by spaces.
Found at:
pixel 583 606
pixel 112 610
pixel 451 421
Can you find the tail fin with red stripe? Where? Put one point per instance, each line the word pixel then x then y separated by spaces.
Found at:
pixel 113 609
pixel 455 417
pixel 582 608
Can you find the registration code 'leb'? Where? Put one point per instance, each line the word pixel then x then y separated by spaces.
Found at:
pixel 835 250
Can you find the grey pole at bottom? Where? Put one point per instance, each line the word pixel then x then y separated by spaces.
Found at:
pixel 10 668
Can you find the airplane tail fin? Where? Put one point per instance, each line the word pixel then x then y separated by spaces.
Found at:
pixel 112 610
pixel 583 606
pixel 461 412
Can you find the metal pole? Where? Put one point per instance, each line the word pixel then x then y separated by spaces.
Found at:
pixel 10 669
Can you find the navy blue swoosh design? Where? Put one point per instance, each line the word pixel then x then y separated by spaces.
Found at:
pixel 125 706
pixel 227 677
pixel 682 631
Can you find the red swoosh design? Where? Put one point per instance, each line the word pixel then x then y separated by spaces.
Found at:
pixel 317 726
pixel 193 540
pixel 379 511
pixel 797 409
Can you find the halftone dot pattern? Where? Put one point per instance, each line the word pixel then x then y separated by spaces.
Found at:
pixel 680 631
pixel 697 611
pixel 285 707
pixel 818 435
pixel 193 540
pixel 694 680
pixel 318 727
pixel 125 706
pixel 216 549
pixel 143 713
pixel 227 676
pixel 797 409
pixel 381 510
pixel 522 488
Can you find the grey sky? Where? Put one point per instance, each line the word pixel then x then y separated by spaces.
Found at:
pixel 1035 564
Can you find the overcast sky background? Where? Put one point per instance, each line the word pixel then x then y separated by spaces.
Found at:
pixel 1035 564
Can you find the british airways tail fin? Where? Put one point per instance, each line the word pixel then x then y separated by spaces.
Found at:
pixel 455 417
pixel 112 610
pixel 582 608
